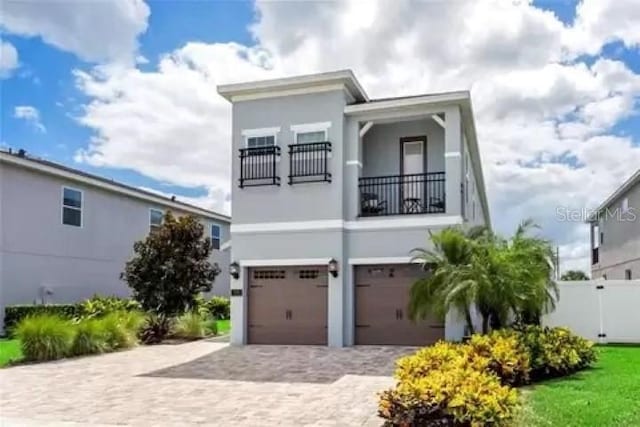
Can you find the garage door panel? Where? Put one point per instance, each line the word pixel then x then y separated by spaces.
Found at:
pixel 382 299
pixel 288 305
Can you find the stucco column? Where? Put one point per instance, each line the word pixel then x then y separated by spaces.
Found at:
pixel 239 308
pixel 453 161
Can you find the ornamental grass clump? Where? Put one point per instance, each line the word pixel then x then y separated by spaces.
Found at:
pixel 121 329
pixel 191 326
pixel 90 338
pixel 45 337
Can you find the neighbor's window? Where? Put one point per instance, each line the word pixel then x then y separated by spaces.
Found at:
pixel 627 274
pixel 71 207
pixel 261 141
pixel 310 137
pixel 155 219
pixel 215 236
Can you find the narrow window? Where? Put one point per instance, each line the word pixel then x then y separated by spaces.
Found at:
pixel 627 274
pixel 602 238
pixel 215 236
pixel 310 137
pixel 604 276
pixel 261 141
pixel 625 205
pixel 71 207
pixel 155 219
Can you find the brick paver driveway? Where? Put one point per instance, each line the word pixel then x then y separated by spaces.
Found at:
pixel 201 383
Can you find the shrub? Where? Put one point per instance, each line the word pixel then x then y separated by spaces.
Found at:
pixel 99 306
pixel 90 338
pixel 155 329
pixel 119 330
pixel 219 307
pixel 190 325
pixel 507 357
pixel 15 313
pixel 461 396
pixel 211 325
pixel 45 337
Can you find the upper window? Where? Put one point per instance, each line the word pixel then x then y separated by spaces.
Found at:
pixel 310 137
pixel 155 219
pixel 71 207
pixel 215 236
pixel 261 141
pixel 625 205
pixel 627 274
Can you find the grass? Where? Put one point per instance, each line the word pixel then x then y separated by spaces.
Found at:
pixel 9 351
pixel 223 326
pixel 604 396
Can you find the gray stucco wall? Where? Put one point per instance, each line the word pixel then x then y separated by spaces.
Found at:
pixel 381 146
pixel 37 250
pixel 472 211
pixel 621 247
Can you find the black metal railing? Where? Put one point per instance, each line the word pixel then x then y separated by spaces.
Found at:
pixel 594 256
pixel 402 194
pixel 259 166
pixel 309 162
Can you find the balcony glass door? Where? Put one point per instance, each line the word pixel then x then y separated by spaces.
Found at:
pixel 412 168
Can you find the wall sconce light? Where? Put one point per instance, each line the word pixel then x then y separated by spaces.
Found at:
pixel 234 270
pixel 333 267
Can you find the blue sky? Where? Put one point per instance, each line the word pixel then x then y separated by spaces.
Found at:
pixel 556 94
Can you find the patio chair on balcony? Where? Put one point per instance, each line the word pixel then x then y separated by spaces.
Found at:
pixel 372 205
pixel 436 203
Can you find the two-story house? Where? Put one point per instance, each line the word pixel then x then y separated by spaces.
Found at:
pixel 615 234
pixel 331 190
pixel 66 235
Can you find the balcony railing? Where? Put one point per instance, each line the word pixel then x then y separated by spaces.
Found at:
pixel 595 256
pixel 309 162
pixel 402 194
pixel 259 166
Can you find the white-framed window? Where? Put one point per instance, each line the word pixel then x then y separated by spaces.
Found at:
pixel 155 219
pixel 261 141
pixel 72 200
pixel 625 205
pixel 215 236
pixel 311 132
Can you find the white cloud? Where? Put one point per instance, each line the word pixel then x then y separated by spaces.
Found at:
pixel 8 59
pixel 94 30
pixel 544 123
pixel 31 115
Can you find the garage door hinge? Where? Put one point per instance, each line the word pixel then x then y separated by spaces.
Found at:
pixel 602 335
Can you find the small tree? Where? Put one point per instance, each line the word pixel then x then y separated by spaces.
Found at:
pixel 574 275
pixel 171 267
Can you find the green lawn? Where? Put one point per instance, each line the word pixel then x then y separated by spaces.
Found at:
pixel 9 351
pixel 223 326
pixel 607 395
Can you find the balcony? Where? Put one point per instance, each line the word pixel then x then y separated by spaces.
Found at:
pixel 412 194
pixel 309 162
pixel 595 256
pixel 259 166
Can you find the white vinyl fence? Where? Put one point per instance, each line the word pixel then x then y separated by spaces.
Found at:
pixel 605 311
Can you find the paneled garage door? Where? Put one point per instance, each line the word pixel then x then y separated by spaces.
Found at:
pixel 288 305
pixel 382 297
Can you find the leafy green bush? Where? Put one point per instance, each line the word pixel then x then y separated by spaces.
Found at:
pixel 190 325
pixel 155 328
pixel 219 307
pixel 507 357
pixel 211 325
pixel 98 306
pixel 45 337
pixel 90 338
pixel 13 314
pixel 121 330
pixel 456 396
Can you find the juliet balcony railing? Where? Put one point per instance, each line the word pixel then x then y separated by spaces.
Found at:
pixel 595 256
pixel 259 166
pixel 402 194
pixel 309 162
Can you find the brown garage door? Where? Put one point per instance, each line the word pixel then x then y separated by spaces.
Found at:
pixel 288 305
pixel 382 297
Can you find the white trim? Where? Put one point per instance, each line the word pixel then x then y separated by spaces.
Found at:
pixel 410 101
pixel 311 127
pixel 268 227
pixel 399 222
pixel 337 224
pixel 81 208
pixel 365 128
pixel 354 163
pixel 452 154
pixel 436 118
pixel 283 262
pixel 226 245
pixel 252 133
pixel 288 92
pixel 115 188
pixel 381 260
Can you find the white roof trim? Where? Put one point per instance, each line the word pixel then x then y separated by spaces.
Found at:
pixel 624 188
pixel 409 101
pixel 284 262
pixel 260 132
pixel 115 188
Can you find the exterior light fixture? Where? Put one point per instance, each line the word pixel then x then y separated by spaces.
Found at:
pixel 333 267
pixel 234 270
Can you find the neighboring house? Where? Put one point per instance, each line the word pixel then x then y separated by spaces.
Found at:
pixel 65 235
pixel 615 234
pixel 331 190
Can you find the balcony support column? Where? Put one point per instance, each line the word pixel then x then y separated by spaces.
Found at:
pixel 453 161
